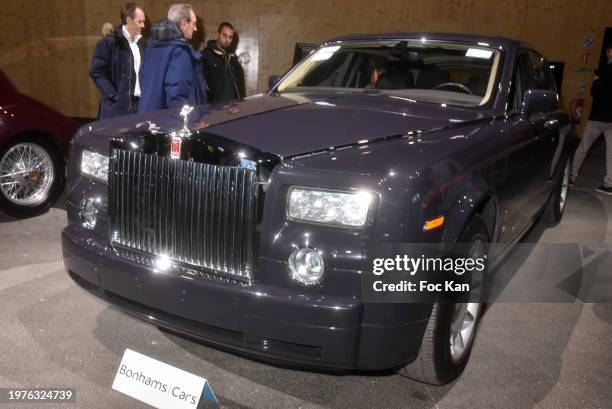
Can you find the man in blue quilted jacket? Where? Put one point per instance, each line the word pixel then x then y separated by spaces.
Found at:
pixel 173 77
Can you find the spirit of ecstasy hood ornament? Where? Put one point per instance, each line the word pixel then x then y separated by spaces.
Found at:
pixel 183 133
pixel 185 111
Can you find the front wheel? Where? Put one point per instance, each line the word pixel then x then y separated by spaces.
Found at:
pixel 31 176
pixel 451 329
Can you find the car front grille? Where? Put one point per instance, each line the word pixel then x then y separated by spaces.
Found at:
pixel 200 216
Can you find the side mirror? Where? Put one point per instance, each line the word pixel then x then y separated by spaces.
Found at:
pixel 273 80
pixel 539 100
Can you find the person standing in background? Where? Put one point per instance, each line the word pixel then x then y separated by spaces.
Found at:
pixel 173 75
pixel 222 69
pixel 600 121
pixel 116 63
pixel 107 29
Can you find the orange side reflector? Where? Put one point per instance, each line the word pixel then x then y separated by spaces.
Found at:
pixel 433 223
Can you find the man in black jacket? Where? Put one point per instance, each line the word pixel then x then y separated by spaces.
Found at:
pixel 116 63
pixel 600 121
pixel 222 70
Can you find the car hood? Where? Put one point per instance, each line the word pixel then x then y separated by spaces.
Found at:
pixel 297 123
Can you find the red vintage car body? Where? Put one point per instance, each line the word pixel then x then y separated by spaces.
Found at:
pixel 22 115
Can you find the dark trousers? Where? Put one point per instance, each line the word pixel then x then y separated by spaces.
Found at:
pixel 134 104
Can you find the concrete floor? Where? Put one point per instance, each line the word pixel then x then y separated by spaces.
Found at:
pixel 53 334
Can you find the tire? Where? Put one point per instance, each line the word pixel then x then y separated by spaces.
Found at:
pixel 558 198
pixel 31 176
pixel 440 360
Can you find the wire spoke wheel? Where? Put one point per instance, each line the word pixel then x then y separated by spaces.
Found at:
pixel 26 174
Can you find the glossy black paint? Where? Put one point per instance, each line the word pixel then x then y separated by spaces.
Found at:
pixel 421 159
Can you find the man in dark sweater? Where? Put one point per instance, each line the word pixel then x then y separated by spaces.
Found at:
pixel 600 121
pixel 222 70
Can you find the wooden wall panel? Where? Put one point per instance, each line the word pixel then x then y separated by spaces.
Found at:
pixel 46 47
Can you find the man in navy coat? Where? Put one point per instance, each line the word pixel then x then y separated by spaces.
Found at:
pixel 116 63
pixel 173 74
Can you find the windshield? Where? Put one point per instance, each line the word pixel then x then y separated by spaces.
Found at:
pixel 431 71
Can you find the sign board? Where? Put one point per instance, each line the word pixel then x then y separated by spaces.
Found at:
pixel 159 384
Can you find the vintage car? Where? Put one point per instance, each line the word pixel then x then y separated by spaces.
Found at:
pixel 248 226
pixel 34 142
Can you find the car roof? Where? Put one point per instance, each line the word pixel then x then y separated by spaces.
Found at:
pixel 503 42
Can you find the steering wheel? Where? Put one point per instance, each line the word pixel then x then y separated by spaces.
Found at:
pixel 456 85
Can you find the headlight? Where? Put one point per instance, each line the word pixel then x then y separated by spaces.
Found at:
pixel 321 206
pixel 95 165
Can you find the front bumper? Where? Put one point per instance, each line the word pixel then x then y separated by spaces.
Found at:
pixel 272 322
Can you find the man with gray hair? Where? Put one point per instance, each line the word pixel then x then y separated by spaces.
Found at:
pixel 174 76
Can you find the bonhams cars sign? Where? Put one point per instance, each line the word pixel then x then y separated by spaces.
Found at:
pixel 161 385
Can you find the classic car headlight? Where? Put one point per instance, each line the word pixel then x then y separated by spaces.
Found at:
pixel 95 165
pixel 324 206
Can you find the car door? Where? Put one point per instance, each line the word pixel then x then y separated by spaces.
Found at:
pixel 542 142
pixel 514 194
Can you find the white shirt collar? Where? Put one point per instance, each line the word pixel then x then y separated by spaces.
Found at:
pixel 127 35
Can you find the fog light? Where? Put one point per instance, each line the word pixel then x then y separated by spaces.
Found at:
pixel 306 266
pixel 89 212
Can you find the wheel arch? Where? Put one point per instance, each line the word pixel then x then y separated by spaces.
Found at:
pixel 477 198
pixel 40 135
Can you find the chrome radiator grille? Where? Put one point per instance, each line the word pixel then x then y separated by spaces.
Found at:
pixel 196 214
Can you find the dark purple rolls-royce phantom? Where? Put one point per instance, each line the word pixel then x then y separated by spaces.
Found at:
pixel 248 226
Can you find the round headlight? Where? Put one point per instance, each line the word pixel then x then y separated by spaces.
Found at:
pixel 306 266
pixel 89 212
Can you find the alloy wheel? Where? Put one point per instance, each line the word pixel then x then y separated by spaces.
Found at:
pixel 465 315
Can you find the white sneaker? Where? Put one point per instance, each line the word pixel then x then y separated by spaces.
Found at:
pixel 605 190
